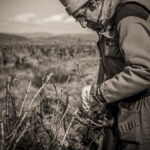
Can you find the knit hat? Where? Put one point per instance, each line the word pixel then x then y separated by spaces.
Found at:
pixel 73 5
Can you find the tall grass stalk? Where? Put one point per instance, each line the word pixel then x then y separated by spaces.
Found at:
pixel 29 108
pixel 20 136
pixel 2 132
pixel 75 113
pixel 26 94
pixel 62 118
pixel 80 74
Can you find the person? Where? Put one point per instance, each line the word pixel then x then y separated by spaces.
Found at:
pixel 123 84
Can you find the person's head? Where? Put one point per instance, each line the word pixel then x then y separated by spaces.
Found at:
pixel 94 14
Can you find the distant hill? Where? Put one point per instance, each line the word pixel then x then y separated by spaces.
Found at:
pixel 37 35
pixel 77 36
pixel 82 36
pixel 44 38
pixel 11 37
pixel 49 36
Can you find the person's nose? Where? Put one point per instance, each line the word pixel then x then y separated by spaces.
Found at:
pixel 83 24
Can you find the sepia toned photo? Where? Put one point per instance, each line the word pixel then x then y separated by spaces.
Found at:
pixel 74 75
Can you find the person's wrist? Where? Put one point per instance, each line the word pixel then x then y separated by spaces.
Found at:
pixel 96 93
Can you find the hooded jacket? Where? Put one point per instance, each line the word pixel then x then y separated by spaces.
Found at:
pixel 127 65
pixel 125 57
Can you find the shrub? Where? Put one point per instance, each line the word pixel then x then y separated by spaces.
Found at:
pixel 60 75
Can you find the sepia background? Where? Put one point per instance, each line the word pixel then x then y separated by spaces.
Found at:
pixel 38 39
pixel 24 16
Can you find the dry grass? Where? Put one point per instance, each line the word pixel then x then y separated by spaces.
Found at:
pixel 49 123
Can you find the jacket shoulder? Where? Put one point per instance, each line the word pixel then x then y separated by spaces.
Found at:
pixel 144 3
pixel 129 9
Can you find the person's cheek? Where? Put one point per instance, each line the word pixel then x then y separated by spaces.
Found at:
pixel 93 16
pixel 90 16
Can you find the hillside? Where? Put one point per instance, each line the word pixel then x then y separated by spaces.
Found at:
pixel 83 37
pixel 37 35
pixel 45 38
pixel 11 37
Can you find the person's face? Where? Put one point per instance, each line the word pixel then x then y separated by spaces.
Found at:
pixel 89 14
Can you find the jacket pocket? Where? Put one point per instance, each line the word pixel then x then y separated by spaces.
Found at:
pixel 134 125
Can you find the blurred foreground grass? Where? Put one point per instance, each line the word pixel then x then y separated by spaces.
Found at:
pixel 18 68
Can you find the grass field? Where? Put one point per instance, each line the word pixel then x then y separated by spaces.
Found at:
pixel 29 64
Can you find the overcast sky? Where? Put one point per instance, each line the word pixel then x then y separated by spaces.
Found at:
pixel 21 16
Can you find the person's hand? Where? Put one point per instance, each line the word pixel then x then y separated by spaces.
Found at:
pixel 87 100
pixel 91 96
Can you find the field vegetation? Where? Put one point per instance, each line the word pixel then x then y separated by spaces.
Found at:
pixel 41 80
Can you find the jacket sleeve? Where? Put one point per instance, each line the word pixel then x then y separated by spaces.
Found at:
pixel 134 42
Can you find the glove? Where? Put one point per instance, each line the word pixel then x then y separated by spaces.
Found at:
pixel 94 105
pixel 90 97
pixel 87 99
